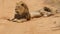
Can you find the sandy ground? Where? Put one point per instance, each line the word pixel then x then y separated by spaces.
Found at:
pixel 42 25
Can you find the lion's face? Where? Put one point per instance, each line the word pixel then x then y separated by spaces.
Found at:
pixel 20 7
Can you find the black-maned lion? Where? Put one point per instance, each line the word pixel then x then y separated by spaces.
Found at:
pixel 22 11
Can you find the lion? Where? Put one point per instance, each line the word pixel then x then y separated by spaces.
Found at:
pixel 47 11
pixel 21 12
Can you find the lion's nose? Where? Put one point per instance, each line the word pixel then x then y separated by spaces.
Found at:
pixel 16 11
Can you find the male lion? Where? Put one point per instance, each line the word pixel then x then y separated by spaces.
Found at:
pixel 22 11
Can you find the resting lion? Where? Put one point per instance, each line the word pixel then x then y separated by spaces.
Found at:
pixel 22 11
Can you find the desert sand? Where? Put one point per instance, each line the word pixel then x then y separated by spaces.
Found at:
pixel 41 25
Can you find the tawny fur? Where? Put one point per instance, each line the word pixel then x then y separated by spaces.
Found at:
pixel 22 11
pixel 35 14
